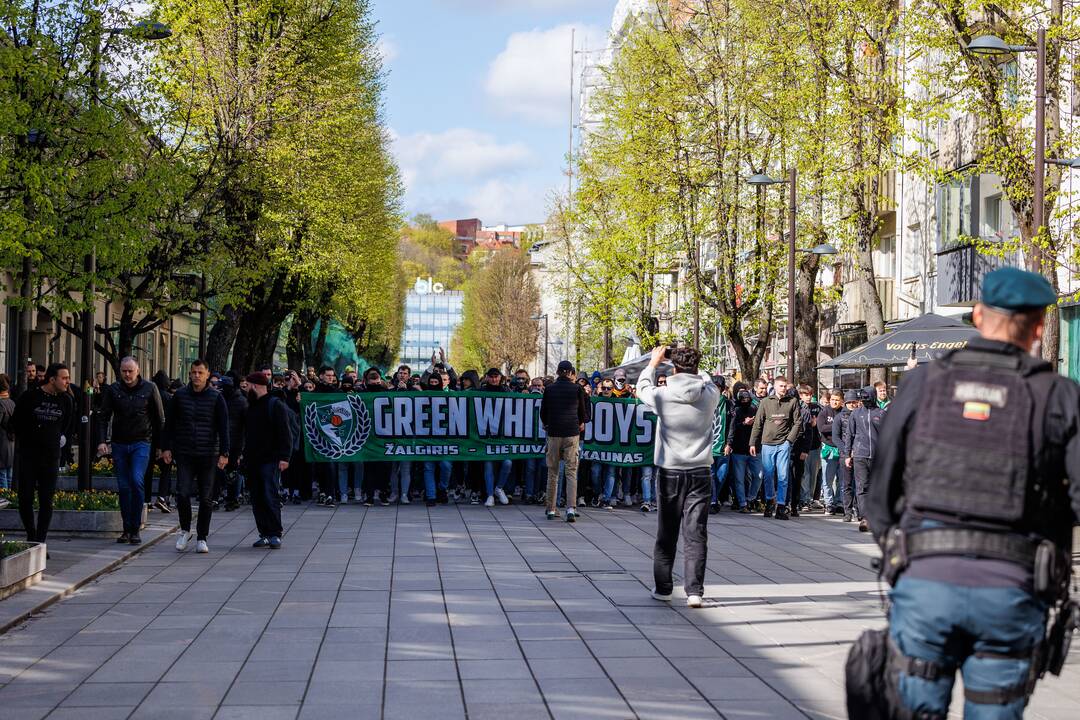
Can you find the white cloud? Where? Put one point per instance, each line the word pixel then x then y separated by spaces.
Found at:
pixel 458 153
pixel 531 76
pixel 512 5
pixel 387 48
pixel 502 201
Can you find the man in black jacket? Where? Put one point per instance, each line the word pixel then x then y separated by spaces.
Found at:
pixel 267 449
pixel 43 421
pixel 130 418
pixel 564 410
pixel 197 435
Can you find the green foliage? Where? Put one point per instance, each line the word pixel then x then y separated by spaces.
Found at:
pixel 428 250
pixel 500 297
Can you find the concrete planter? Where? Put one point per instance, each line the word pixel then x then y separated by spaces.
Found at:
pixel 76 523
pixel 70 483
pixel 21 570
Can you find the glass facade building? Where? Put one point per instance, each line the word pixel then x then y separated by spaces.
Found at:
pixel 430 321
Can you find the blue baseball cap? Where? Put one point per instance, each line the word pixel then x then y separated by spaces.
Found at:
pixel 1014 290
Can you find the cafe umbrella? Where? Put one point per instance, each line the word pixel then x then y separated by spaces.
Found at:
pixel 931 336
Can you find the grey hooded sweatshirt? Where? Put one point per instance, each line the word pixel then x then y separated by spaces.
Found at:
pixel 684 408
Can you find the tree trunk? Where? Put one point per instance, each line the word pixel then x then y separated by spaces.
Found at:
pixel 221 338
pixel 807 318
pixel 318 348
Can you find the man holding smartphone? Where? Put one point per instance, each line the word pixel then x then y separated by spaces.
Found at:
pixel 684 409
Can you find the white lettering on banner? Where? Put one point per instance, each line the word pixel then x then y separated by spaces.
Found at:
pixel 624 414
pixel 645 425
pixel 420 450
pixel 515 449
pixel 488 415
pixel 384 417
pixel 438 416
pixel 603 429
pixel 403 417
pixel 458 416
pixel 605 456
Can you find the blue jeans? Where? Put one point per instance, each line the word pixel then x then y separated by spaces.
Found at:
pixel 489 475
pixel 830 476
pixel 743 464
pixel 130 461
pixel 647 482
pixel 719 474
pixel 445 468
pixel 400 479
pixel 604 488
pixel 973 629
pixel 5 478
pixel 776 463
pixel 534 467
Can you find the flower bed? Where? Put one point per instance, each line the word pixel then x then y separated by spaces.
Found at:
pixel 21 565
pixel 92 513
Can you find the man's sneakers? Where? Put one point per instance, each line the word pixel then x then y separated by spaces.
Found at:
pixel 693 601
pixel 430 503
pixel 782 512
pixel 182 540
pixel 607 504
pixel 261 543
pixel 274 542
pixel 135 539
pixel 404 500
pixel 201 547
pixel 490 502
pixel 770 506
pixel 714 508
pixel 552 514
pixel 571 516
pixel 124 539
pixel 500 495
pixel 864 526
pixel 162 505
pixel 660 596
pixel 645 507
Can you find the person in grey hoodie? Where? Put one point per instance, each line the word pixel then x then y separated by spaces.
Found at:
pixel 683 456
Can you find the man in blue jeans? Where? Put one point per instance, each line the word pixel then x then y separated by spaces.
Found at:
pixel 776 427
pixel 130 419
pixel 496 472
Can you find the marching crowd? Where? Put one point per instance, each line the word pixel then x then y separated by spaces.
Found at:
pixel 225 439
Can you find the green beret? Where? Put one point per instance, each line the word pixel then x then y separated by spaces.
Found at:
pixel 1013 290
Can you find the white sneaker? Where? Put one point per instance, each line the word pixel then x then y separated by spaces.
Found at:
pixel 182 540
pixel 490 502
pixel 405 500
pixel 628 501
pixel 201 547
pixel 693 601
pixel 581 502
pixel 503 500
pixel 393 498
pixel 344 498
pixel 662 598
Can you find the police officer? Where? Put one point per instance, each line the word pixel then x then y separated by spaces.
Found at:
pixel 975 489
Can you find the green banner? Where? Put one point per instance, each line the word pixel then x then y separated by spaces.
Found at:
pixel 402 426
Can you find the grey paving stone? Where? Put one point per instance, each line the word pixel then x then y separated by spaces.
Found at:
pixel 257 712
pixel 187 694
pixel 107 695
pixel 266 693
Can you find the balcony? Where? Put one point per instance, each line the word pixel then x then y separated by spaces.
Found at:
pixel 960 271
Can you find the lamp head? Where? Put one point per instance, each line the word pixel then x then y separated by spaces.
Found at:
pixel 824 249
pixel 989 45
pixel 150 30
pixel 761 179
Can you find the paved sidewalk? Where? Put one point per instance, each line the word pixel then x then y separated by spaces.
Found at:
pixel 460 612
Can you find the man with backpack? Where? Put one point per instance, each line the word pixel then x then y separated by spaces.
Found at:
pixel 268 447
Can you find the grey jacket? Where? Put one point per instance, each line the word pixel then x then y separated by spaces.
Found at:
pixel 684 409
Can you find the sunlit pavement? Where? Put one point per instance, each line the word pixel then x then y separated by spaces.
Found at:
pixel 405 612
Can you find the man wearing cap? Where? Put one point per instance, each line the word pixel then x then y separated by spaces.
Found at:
pixel 564 410
pixel 622 389
pixel 975 489
pixel 268 445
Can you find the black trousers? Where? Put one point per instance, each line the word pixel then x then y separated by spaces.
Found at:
pixel 262 483
pixel 683 497
pixel 794 486
pixel 861 471
pixel 36 475
pixel 165 472
pixel 847 488
pixel 195 474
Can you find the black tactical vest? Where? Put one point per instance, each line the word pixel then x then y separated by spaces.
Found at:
pixel 971 453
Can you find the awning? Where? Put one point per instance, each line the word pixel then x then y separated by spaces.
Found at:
pixel 932 335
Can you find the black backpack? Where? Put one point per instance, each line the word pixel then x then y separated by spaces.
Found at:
pixel 865 678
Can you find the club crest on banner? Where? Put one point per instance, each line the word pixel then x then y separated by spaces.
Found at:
pixel 337 429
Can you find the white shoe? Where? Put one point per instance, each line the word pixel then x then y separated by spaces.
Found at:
pixel 628 501
pixel 344 498
pixel 662 598
pixel 693 601
pixel 503 500
pixel 182 540
pixel 490 502
pixel 393 498
pixel 405 500
pixel 581 502
pixel 200 547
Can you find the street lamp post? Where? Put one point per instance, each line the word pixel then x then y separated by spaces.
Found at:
pixel 990 45
pixel 544 317
pixel 762 180
pixel 143 30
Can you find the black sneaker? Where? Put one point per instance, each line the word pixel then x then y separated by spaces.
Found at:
pixel 383 500
pixel 261 543
pixel 714 508
pixel 135 539
pixel 441 497
pixel 430 503
pixel 782 513
pixel 231 506
pixel 770 505
pixel 295 499
pixel 162 505
pixel 124 538
pixel 329 502
pixel 794 512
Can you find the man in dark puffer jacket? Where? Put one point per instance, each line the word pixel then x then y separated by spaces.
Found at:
pixel 197 435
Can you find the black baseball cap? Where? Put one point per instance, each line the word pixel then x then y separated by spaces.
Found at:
pixel 565 366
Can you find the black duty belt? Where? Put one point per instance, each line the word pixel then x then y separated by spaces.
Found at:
pixel 964 541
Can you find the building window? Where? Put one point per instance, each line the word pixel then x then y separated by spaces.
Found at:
pixel 885 256
pixel 954 211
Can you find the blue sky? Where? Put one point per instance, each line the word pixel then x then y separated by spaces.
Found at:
pixel 478 99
